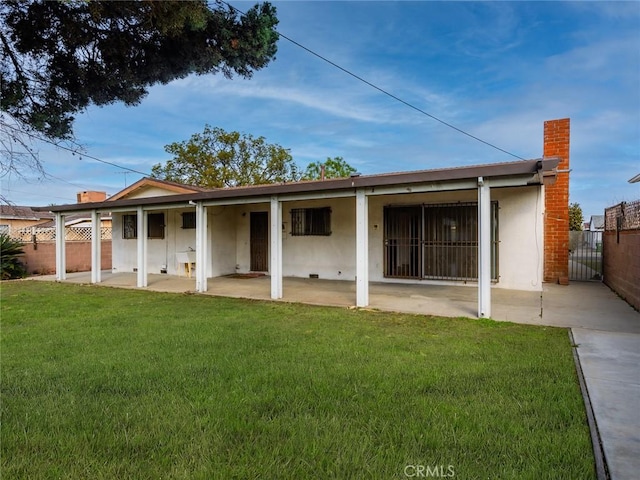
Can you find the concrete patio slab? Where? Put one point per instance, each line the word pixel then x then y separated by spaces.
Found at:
pixel 579 305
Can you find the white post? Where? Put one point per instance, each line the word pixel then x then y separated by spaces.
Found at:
pixel 142 247
pixel 61 260
pixel 484 249
pixel 201 248
pixel 96 247
pixel 362 248
pixel 275 266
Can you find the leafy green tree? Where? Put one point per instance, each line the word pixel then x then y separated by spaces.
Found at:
pixel 10 253
pixel 576 219
pixel 215 159
pixel 59 57
pixel 335 167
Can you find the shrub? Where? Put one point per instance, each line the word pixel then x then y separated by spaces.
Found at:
pixel 10 264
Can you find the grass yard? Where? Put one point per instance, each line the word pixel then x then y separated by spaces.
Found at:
pixel 110 383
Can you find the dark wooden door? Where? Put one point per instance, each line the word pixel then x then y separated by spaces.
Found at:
pixel 259 240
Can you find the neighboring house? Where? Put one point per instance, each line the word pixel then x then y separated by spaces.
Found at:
pixel 13 217
pixel 596 223
pixel 483 224
pixel 28 225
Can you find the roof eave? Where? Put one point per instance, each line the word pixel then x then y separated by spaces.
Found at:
pixel 540 171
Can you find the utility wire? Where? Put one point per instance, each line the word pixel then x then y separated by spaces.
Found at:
pixel 11 190
pixel 389 94
pixel 74 152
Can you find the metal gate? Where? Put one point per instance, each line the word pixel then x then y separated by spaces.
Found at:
pixel 585 256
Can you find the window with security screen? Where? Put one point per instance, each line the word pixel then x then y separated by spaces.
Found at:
pixel 311 221
pixel 129 226
pixel 188 220
pixel 155 226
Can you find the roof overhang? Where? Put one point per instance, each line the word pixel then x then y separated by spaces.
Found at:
pixel 520 173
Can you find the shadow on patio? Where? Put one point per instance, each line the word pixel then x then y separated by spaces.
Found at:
pixel 582 304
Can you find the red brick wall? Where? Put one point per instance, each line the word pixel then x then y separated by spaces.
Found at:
pixel 42 260
pixel 556 201
pixel 621 268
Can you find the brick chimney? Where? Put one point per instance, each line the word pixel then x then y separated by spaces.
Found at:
pixel 91 196
pixel 556 203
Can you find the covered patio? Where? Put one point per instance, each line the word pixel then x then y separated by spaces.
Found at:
pixel 439 226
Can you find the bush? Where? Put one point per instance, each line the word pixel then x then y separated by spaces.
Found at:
pixel 10 251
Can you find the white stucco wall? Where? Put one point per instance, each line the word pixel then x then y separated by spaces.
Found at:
pixel 330 257
pixel 162 252
pixel 223 227
pixel 333 257
pixel 521 234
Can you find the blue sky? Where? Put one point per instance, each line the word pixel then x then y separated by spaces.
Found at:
pixel 497 70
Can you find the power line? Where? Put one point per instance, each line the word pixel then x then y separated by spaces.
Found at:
pixel 389 94
pixel 11 190
pixel 74 152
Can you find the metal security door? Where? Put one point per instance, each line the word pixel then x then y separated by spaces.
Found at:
pixel 402 241
pixel 259 241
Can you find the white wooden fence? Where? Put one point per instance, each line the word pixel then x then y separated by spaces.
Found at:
pixel 48 234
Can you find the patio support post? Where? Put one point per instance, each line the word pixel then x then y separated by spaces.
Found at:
pixel 484 248
pixel 275 266
pixel 142 247
pixel 201 247
pixel 96 247
pixel 61 261
pixel 362 248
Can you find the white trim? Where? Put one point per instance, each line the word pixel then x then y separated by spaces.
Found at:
pixel 201 247
pixel 275 267
pixel 512 181
pixel 142 247
pixel 317 196
pixel 484 249
pixel 236 201
pixel 61 261
pixel 362 248
pixel 96 247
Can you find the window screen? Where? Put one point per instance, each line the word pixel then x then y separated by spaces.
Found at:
pixel 311 221
pixel 155 226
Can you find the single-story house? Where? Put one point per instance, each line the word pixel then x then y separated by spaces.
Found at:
pixel 15 217
pixel 596 223
pixel 488 225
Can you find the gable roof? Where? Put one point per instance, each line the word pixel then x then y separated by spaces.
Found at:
pixel 148 182
pixel 15 212
pixel 596 222
pixel 538 171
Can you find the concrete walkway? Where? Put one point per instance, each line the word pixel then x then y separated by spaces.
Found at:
pixel 605 329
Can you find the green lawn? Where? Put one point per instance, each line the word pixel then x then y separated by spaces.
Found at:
pixel 112 383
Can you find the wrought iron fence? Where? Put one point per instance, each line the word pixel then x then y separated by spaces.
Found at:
pixel 585 255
